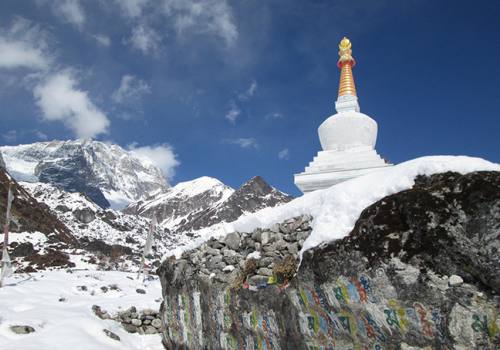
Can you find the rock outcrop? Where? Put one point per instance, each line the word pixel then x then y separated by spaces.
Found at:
pixel 419 270
pixel 29 215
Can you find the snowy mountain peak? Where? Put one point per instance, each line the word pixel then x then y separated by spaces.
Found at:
pixel 197 186
pixel 176 205
pixel 106 173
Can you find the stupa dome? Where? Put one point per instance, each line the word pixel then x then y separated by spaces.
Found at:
pixel 348 130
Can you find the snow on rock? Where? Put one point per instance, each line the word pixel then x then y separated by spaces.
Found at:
pixel 58 305
pixel 107 173
pixel 336 209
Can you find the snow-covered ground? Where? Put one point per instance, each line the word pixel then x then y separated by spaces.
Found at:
pixel 60 310
pixel 336 209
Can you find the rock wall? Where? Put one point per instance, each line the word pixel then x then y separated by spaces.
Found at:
pixel 419 270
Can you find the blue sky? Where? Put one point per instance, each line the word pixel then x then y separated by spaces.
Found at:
pixel 233 89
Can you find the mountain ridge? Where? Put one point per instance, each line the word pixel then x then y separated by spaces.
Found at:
pixel 107 173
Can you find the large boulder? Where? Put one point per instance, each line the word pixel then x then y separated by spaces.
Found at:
pixel 393 283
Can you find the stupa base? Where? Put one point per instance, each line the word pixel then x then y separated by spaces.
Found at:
pixel 329 168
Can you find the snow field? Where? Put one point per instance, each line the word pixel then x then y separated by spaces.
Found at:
pixel 60 310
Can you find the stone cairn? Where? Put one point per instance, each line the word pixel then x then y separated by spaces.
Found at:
pixel 249 260
pixel 145 321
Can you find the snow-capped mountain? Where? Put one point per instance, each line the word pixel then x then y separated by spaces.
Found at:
pixel 203 202
pixel 178 205
pixel 106 173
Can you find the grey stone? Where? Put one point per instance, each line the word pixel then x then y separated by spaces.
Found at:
pixel 257 235
pixel 264 271
pixel 280 245
pixel 111 334
pixel 266 238
pixel 275 228
pixel 140 291
pixel 130 328
pixel 265 262
pixel 102 314
pixel 136 322
pixel 455 280
pixel 228 252
pixel 302 236
pixel 21 329
pixel 232 240
pixel 150 330
pixel 293 248
pixel 149 312
pixel 156 323
pixel 212 251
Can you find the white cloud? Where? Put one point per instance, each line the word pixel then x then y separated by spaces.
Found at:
pixel 40 135
pixel 161 155
pixel 69 11
pixel 131 90
pixel 250 92
pixel 10 136
pixel 145 39
pixel 243 142
pixel 132 8
pixel 60 100
pixel 102 40
pixel 24 45
pixel 284 154
pixel 274 115
pixel 207 16
pixel 233 113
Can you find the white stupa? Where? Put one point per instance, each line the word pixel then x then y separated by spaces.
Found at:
pixel 348 138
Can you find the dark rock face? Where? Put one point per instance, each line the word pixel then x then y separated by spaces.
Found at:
pixel 72 175
pixel 98 246
pixel 394 283
pixel 28 214
pixel 252 196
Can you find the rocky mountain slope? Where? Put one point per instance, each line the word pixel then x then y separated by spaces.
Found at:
pixel 101 233
pixel 178 205
pixel 204 202
pixel 418 270
pixel 106 173
pixel 37 237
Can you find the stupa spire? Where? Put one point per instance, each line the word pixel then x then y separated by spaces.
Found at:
pixel 347 99
pixel 345 63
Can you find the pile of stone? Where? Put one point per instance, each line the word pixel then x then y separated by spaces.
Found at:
pixel 145 321
pixel 227 260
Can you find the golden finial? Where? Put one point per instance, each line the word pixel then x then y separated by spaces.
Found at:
pixel 345 63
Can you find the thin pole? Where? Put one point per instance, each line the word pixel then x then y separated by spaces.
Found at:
pixel 147 248
pixel 6 263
